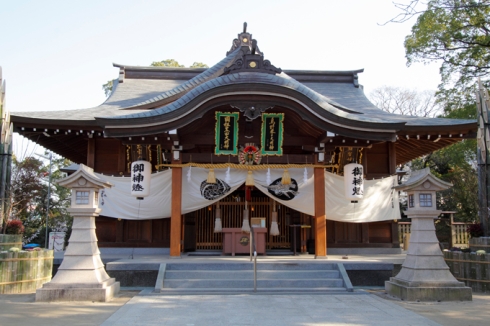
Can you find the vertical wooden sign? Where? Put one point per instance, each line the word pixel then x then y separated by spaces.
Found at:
pixel 272 133
pixel 226 133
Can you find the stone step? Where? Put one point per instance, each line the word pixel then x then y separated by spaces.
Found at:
pixel 202 291
pixel 248 283
pixel 261 274
pixel 249 266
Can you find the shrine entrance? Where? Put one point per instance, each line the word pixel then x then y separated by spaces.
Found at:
pixel 199 225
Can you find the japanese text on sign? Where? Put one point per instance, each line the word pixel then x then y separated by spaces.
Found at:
pixel 357 181
pixel 138 177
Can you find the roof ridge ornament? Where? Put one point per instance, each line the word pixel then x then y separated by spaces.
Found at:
pixel 252 59
pixel 245 40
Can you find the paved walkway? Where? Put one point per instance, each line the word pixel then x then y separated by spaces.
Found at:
pixel 249 309
pixel 143 308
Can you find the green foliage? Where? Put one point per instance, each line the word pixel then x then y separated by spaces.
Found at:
pixel 199 65
pixel 455 33
pixel 107 87
pixel 29 192
pixel 167 63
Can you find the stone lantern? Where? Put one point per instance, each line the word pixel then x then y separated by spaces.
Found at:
pixel 81 276
pixel 424 275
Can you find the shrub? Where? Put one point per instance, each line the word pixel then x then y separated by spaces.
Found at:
pixel 475 230
pixel 15 227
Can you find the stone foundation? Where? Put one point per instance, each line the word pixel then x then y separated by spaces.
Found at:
pixel 78 292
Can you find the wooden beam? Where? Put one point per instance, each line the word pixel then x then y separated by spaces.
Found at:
pixel 176 215
pixel 319 221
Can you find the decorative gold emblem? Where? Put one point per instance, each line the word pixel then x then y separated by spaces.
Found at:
pixel 244 241
pixel 252 64
pixel 245 40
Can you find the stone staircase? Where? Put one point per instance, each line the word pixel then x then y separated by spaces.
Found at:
pixel 238 278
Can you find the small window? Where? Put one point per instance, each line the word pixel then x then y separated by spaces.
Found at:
pixel 425 200
pixel 410 201
pixel 82 197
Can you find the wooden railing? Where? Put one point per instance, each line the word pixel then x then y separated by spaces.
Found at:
pixel 404 228
pixel 459 236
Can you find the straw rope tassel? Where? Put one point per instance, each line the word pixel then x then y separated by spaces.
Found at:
pixel 286 178
pixel 274 226
pixel 250 179
pixel 211 177
pixel 246 224
pixel 217 222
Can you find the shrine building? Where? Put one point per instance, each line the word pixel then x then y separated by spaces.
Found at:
pixel 243 144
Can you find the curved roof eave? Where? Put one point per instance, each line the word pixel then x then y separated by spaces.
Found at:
pixel 256 84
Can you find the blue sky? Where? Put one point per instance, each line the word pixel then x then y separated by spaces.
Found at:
pixel 56 55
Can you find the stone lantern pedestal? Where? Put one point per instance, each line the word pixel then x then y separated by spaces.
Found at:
pixel 425 275
pixel 81 276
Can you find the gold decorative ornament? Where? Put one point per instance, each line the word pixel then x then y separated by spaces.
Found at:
pixel 252 64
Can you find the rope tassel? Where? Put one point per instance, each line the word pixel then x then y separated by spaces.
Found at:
pixel 250 179
pixel 286 178
pixel 217 222
pixel 211 177
pixel 274 227
pixel 246 224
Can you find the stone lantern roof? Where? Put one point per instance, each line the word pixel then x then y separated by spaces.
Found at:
pixel 423 180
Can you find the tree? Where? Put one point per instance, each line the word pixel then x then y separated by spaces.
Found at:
pixel 455 163
pixel 28 197
pixel 405 101
pixel 455 33
pixel 107 87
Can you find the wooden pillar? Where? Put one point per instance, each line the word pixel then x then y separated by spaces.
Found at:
pixel 319 221
pixel 91 153
pixel 176 217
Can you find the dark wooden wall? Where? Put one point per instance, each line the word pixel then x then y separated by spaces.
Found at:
pixel 131 233
pixel 362 235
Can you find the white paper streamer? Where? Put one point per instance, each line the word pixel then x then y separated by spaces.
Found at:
pixel 305 176
pixel 189 174
pixel 268 177
pixel 227 175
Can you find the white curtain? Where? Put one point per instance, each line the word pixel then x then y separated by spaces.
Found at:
pixel 117 201
pixel 380 202
pixel 303 201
